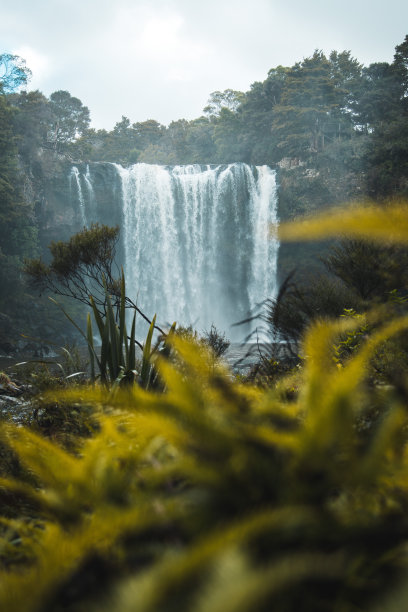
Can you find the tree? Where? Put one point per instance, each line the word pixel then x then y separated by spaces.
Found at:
pixel 122 143
pixel 201 145
pixel 379 96
pixel 83 268
pixel 177 141
pixel 30 122
pixel 346 74
pixel 227 129
pixel 384 107
pixel 18 232
pixel 372 271
pixel 228 99
pixel 386 158
pixel 70 118
pixel 148 132
pixel 13 72
pixel 309 101
pixel 256 115
pixel 401 63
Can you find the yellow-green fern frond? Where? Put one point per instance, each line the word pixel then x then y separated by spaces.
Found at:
pixel 383 224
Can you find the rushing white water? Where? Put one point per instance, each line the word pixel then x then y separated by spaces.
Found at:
pixel 74 177
pixel 197 240
pixel 90 194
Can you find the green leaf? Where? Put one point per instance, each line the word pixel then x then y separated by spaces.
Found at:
pixel 114 352
pixel 122 316
pixel 98 318
pixel 131 365
pixel 104 351
pixel 146 361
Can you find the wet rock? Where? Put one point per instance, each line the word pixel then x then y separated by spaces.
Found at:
pixel 15 409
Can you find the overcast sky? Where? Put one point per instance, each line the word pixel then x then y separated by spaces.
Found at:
pixel 160 59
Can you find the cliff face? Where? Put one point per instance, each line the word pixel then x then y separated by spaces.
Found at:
pixel 52 214
pixel 56 196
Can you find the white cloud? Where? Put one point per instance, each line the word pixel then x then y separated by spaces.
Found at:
pixel 157 43
pixel 39 64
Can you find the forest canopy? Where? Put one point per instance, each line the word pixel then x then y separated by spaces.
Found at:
pixel 336 129
pixel 300 112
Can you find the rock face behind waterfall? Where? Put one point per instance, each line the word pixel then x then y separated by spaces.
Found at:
pixel 195 240
pixel 58 211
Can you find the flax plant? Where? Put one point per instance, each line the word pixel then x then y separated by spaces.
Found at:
pixel 115 362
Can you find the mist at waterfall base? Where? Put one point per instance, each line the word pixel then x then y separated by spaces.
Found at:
pixel 196 241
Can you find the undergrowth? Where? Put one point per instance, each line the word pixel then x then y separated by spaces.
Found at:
pixel 217 496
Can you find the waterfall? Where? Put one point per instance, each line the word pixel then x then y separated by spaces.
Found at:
pixel 198 242
pixel 74 177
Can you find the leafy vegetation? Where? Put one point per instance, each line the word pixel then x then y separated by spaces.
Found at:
pixel 203 493
pixel 13 72
pixel 318 111
pixel 214 495
pixel 83 266
pixel 117 362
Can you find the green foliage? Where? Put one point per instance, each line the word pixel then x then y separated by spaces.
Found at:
pixel 228 99
pixel 216 341
pixel 13 72
pixel 299 304
pixel 18 232
pixel 308 103
pixel 116 357
pixel 373 271
pixel 79 266
pixel 352 338
pixel 213 339
pixel 216 496
pixel 70 118
pixel 213 495
pixel 117 362
pixel 31 123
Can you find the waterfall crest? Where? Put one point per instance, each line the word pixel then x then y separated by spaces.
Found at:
pixel 196 240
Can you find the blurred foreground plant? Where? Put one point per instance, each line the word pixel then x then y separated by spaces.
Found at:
pixel 216 496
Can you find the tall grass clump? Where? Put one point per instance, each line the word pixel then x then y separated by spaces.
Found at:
pixel 210 495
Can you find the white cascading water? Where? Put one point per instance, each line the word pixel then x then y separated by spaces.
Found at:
pixel 74 178
pixel 90 192
pixel 198 241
